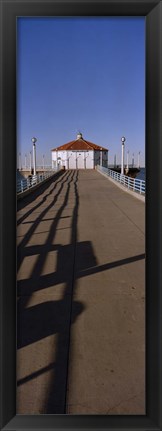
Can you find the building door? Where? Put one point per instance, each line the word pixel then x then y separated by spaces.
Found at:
pixel 72 160
pixel 80 160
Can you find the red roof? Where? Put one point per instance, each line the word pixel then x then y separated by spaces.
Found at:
pixel 80 144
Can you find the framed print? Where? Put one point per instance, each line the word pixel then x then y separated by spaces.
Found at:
pixel 75 320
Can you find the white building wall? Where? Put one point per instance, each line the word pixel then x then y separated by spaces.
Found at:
pixel 53 153
pixel 72 162
pixel 79 159
pixel 89 159
pixel 59 158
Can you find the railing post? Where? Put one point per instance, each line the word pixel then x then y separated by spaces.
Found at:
pixel 22 186
pixel 140 187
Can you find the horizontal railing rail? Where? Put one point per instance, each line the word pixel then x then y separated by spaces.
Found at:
pixel 133 184
pixel 118 165
pixel 39 168
pixel 33 180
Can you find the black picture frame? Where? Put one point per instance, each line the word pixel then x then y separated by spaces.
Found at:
pixel 152 10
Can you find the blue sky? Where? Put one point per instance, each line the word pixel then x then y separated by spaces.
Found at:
pixel 81 73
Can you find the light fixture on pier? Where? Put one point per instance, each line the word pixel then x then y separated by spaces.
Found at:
pixel 25 161
pixel 43 161
pixel 123 139
pixel 34 140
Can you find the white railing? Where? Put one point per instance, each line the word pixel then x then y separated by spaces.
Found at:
pixel 133 184
pixel 45 168
pixel 32 180
pixel 39 168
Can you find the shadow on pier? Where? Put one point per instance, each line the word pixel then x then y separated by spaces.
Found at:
pixel 51 317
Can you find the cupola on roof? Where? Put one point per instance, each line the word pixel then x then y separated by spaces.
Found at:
pixel 79 135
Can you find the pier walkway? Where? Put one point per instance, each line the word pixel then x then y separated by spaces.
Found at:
pixel 81 298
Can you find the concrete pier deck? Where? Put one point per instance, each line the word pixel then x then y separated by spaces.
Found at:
pixel 81 298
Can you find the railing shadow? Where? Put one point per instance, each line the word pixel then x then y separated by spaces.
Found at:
pixel 51 317
pixel 21 250
pixel 21 204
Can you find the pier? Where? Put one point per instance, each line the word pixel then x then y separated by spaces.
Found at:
pixel 81 298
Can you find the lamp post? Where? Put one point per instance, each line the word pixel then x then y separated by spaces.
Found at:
pixel 34 140
pixel 127 160
pixel 30 161
pixel 133 160
pixel 43 161
pixel 20 167
pixel 139 159
pixel 122 159
pixel 115 161
pixel 25 161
